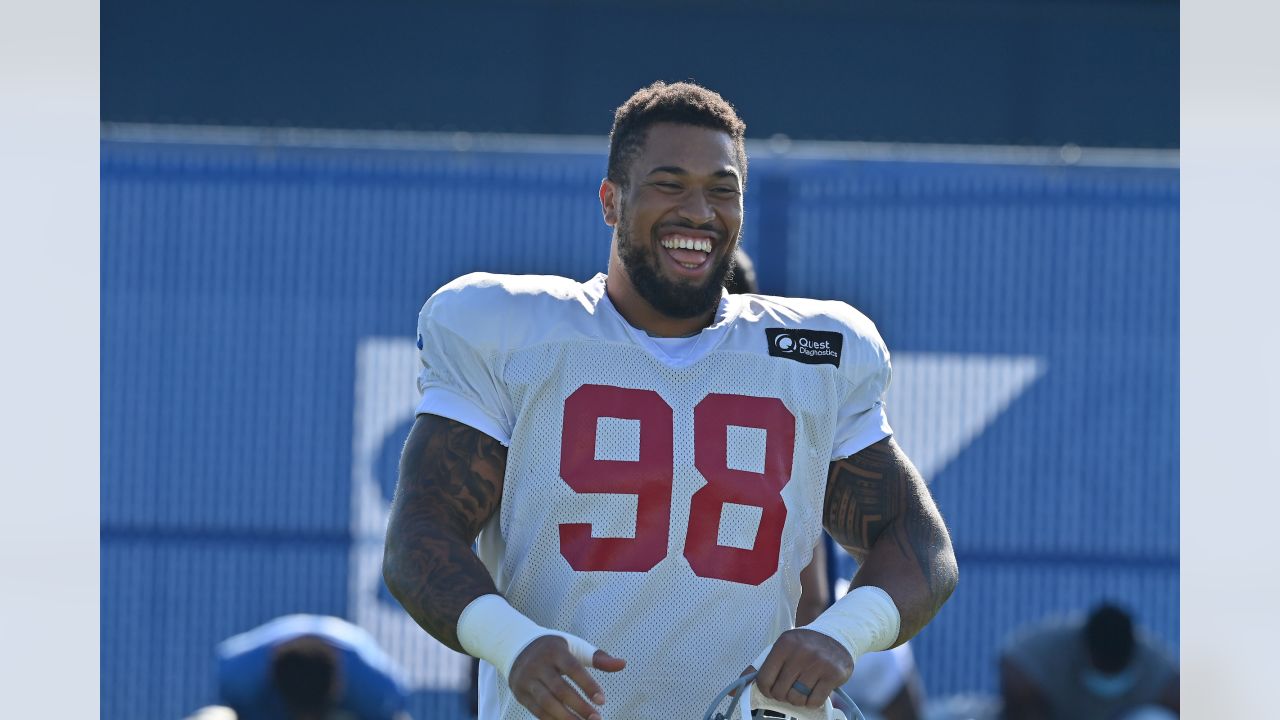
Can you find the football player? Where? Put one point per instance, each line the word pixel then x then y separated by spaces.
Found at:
pixel 647 460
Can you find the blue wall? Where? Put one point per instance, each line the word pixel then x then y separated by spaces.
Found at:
pixel 241 282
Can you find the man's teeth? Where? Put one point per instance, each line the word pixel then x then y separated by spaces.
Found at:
pixel 678 242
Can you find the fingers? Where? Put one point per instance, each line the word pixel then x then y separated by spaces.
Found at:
pixel 784 688
pixel 538 681
pixel 554 699
pixel 544 704
pixel 780 671
pixel 606 662
pixel 798 694
pixel 822 689
pixel 815 661
pixel 566 697
pixel 583 679
pixel 769 672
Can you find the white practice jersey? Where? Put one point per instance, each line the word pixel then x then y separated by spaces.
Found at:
pixel 661 495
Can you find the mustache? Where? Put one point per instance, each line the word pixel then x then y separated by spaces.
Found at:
pixel 710 227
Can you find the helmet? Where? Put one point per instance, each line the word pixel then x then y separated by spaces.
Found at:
pixel 760 707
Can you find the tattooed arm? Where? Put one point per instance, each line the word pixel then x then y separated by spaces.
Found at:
pixel 450 485
pixel 878 509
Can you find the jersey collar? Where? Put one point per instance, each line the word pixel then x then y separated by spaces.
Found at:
pixel 679 354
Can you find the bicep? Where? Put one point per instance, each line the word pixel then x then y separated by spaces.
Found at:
pixel 867 492
pixel 450 476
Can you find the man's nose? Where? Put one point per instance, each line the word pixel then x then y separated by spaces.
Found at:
pixel 696 209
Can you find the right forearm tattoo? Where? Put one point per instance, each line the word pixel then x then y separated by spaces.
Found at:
pixel 450 485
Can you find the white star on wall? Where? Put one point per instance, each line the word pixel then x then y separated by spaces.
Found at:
pixel 939 403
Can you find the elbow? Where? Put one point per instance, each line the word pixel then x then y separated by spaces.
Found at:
pixel 950 575
pixel 391 577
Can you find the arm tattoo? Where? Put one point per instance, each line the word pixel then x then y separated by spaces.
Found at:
pixel 860 502
pixel 876 499
pixel 450 485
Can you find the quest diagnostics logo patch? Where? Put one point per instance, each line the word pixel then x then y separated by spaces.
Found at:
pixel 812 347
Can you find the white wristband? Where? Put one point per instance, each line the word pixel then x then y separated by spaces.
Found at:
pixel 490 629
pixel 864 620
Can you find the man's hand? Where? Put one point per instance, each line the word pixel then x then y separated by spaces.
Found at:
pixel 537 680
pixel 810 658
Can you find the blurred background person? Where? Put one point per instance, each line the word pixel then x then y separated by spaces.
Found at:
pixel 886 685
pixel 213 712
pixel 308 667
pixel 1097 666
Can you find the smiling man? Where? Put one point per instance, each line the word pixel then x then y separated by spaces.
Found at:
pixel 647 461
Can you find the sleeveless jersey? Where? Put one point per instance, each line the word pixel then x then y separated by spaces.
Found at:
pixel 661 496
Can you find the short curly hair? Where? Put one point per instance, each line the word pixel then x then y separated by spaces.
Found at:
pixel 682 102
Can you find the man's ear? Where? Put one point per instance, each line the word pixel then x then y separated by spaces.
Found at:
pixel 610 202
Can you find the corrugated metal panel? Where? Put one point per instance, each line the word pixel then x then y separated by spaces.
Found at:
pixel 168 599
pixel 241 281
pixel 959 650
pixel 1077 268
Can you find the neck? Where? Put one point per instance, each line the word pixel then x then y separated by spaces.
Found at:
pixel 640 314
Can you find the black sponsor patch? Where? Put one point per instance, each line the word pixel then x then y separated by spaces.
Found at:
pixel 812 347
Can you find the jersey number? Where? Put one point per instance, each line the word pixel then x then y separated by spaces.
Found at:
pixel 650 477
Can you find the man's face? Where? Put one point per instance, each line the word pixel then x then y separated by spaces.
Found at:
pixel 679 218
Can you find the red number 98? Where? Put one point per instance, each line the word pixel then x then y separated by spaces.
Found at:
pixel 649 478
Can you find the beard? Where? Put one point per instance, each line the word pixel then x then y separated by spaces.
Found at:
pixel 673 299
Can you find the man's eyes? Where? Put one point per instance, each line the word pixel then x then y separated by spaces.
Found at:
pixel 721 190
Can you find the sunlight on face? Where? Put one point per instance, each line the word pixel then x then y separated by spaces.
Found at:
pixel 684 193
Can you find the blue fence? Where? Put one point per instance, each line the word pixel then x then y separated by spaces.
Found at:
pixel 259 301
